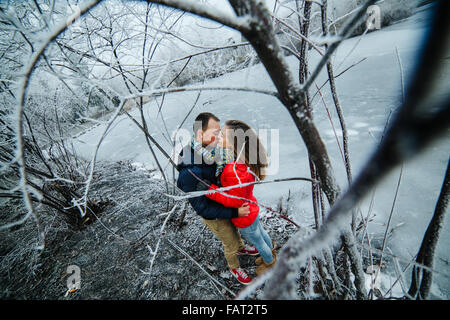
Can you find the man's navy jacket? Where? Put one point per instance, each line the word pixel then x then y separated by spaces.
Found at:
pixel 187 182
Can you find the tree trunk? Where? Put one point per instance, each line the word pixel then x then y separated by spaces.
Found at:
pixel 423 277
pixel 262 37
pixel 338 108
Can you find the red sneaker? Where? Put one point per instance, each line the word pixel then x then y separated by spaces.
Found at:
pixel 250 250
pixel 241 276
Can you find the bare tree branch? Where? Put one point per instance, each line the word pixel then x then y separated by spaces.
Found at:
pixel 20 111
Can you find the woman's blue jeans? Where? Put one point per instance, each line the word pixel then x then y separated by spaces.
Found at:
pixel 258 237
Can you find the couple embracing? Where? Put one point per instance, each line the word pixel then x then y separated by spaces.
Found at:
pixel 217 158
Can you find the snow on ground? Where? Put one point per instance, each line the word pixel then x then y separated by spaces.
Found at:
pixel 368 93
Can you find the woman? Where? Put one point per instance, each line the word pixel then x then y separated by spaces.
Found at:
pixel 238 141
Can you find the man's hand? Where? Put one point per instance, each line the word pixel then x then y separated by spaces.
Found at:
pixel 244 210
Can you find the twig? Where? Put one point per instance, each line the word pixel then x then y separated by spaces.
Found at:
pixel 206 11
pixel 20 112
pixel 221 190
pixel 281 215
pixel 137 242
pixel 347 30
pixel 299 34
pixel 398 278
pixel 383 246
pixel 416 264
pixel 201 268
pixel 202 193
pixel 147 134
pixel 255 284
pixel 338 75
pixel 331 122
pixel 155 252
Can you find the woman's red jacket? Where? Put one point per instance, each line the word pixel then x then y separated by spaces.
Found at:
pixel 229 177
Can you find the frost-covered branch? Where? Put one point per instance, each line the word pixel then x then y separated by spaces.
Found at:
pixel 206 11
pixel 149 93
pixel 28 70
pixel 300 35
pixel 155 251
pixel 346 32
pixel 188 195
pixel 201 268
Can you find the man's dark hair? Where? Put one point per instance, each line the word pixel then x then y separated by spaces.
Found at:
pixel 203 120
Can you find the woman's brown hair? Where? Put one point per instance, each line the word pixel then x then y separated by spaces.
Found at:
pixel 254 154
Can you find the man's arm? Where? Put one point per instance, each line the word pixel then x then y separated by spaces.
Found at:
pixel 205 207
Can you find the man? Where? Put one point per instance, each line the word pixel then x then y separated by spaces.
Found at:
pixel 193 168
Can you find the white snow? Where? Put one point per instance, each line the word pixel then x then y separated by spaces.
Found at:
pixel 367 92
